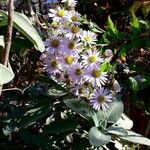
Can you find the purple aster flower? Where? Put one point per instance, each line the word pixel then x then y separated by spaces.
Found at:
pixel 100 99
pixel 96 77
pixel 76 73
pixel 53 45
pixel 52 63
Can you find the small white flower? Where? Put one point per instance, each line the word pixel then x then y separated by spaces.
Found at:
pixel 69 60
pixel 88 37
pixel 96 77
pixel 91 58
pixel 73 32
pixel 100 99
pixel 70 3
pixel 58 14
pixel 73 17
pixel 71 46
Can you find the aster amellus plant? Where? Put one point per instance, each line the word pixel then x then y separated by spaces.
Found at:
pixel 72 55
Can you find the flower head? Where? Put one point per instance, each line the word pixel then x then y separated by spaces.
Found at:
pixel 53 45
pixel 100 99
pixel 58 14
pixel 91 59
pixel 76 73
pixel 88 37
pixel 96 77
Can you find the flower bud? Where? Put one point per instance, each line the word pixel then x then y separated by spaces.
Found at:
pixel 108 53
pixel 116 86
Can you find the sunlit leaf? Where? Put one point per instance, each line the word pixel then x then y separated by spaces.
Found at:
pixel 97 138
pixel 6 74
pixel 136 138
pixel 24 25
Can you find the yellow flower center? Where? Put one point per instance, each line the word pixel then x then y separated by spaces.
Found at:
pixel 92 59
pixel 74 18
pixel 71 45
pixel 60 13
pixel 96 73
pixel 101 98
pixel 87 38
pixel 69 59
pixel 54 64
pixel 78 71
pixel 55 43
pixel 55 25
pixel 75 29
pixel 80 90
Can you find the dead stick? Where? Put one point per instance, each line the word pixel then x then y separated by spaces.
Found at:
pixel 8 36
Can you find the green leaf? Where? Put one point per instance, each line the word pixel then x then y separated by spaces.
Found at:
pixel 136 138
pixel 115 111
pixel 117 130
pixel 60 126
pixel 97 138
pixel 134 85
pixel 24 25
pixel 32 116
pixel 38 140
pixel 79 106
pixel 111 25
pixel 6 74
pixel 134 21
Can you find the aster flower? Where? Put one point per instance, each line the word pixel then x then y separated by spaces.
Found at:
pixel 69 60
pixel 96 77
pixel 70 3
pixel 74 17
pixel 58 14
pixel 53 45
pixel 100 99
pixel 91 58
pixel 71 46
pixel 73 32
pixel 52 63
pixel 76 73
pixel 88 37
pixel 80 90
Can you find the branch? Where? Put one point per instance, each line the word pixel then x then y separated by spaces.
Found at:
pixel 8 36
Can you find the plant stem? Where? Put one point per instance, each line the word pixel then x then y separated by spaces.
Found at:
pixel 8 36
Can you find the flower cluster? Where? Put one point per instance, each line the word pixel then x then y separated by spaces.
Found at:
pixel 72 56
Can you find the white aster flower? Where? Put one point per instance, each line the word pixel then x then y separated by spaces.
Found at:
pixel 58 14
pixel 88 37
pixel 69 60
pixel 96 77
pixel 74 17
pixel 70 3
pixel 100 99
pixel 73 32
pixel 71 46
pixel 108 53
pixel 91 58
